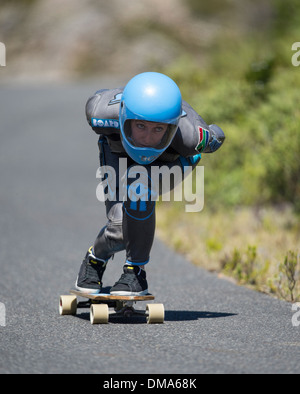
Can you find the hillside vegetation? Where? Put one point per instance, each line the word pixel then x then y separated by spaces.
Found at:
pixel 249 228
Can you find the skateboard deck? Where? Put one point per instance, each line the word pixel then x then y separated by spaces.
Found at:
pixel 103 306
pixel 110 297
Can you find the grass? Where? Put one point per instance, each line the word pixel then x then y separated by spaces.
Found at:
pixel 250 246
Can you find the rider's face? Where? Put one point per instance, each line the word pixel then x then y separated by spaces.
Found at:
pixel 147 134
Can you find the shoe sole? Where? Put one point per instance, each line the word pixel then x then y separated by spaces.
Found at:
pixel 129 293
pixel 85 290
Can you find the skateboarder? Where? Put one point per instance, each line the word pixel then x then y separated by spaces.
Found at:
pixel 148 124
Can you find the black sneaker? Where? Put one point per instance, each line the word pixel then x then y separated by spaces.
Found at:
pixel 132 282
pixel 89 279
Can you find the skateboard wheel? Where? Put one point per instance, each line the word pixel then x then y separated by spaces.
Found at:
pixel 155 313
pixel 99 314
pixel 67 305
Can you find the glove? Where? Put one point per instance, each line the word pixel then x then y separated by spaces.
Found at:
pixel 216 139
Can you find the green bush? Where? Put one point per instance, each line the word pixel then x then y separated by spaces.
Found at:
pixel 250 89
pixel 286 283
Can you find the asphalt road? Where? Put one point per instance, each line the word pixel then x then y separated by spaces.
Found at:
pixel 50 216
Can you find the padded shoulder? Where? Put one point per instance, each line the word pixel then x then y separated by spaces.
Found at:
pixel 193 133
pixel 102 111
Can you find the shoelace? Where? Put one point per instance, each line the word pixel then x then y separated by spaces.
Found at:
pixel 93 270
pixel 127 279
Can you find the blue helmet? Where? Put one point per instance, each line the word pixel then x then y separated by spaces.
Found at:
pixel 149 97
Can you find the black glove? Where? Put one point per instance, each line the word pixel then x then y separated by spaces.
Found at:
pixel 216 139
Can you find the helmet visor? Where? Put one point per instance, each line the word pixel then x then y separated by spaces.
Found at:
pixel 145 134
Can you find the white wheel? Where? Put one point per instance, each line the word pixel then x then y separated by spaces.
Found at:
pixel 99 314
pixel 67 305
pixel 155 313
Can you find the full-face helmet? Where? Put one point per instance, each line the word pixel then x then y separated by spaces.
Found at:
pixel 150 97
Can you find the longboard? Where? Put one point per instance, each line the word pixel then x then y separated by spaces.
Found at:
pixel 103 306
